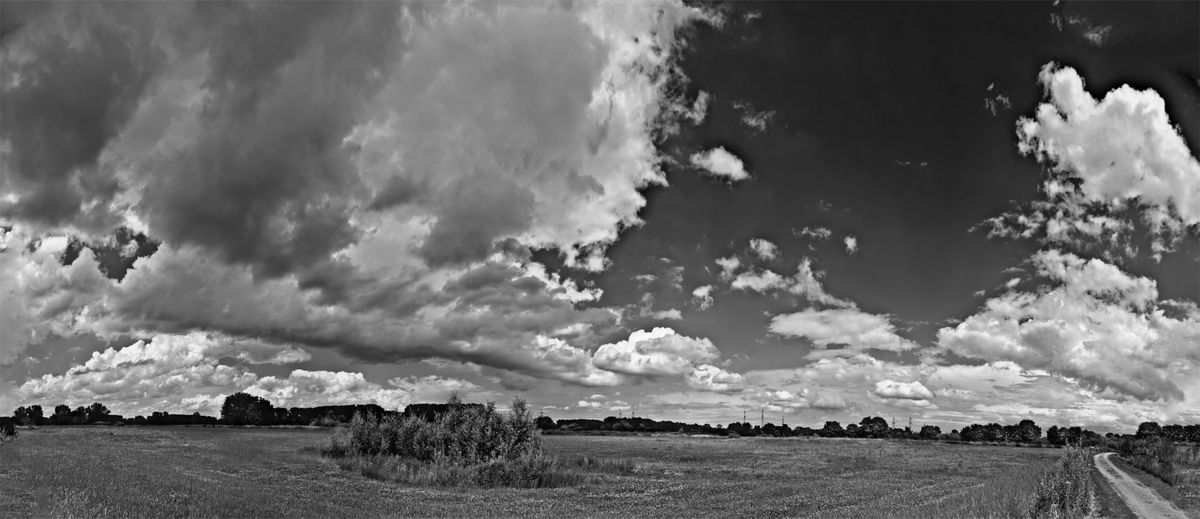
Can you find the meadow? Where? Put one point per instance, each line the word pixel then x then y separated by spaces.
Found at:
pixel 268 472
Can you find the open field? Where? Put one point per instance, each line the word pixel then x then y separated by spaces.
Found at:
pixel 191 471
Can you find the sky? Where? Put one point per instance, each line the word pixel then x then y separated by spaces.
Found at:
pixel 941 212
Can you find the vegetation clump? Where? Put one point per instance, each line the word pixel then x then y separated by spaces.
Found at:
pixel 465 445
pixel 1066 490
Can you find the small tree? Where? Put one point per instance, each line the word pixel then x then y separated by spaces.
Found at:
pixel 1149 430
pixel 246 409
pixel 930 432
pixel 35 415
pixel 1028 431
pixel 832 430
pixel 95 412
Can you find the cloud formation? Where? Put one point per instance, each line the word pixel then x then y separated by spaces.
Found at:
pixel 857 330
pixel 662 352
pixel 720 163
pixel 903 390
pixel 1113 163
pixel 1091 322
pixel 368 179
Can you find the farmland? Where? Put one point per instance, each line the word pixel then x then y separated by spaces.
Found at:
pixel 194 471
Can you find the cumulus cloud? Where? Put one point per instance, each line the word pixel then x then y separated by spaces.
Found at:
pixel 728 266
pixel 903 390
pixel 851 327
pixel 851 244
pixel 369 179
pixel 804 283
pixel 707 377
pixel 158 372
pixel 658 352
pixel 764 249
pixel 1110 161
pixel 703 296
pixel 1091 322
pixel 719 162
pixel 760 281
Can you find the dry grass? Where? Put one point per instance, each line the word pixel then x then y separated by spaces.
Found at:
pixel 205 472
pixel 1186 491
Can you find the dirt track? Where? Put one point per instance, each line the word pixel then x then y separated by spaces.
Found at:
pixel 1142 500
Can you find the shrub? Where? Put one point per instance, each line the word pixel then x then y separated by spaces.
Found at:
pixel 1066 490
pixel 465 445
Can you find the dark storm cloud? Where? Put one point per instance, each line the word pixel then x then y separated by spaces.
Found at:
pixel 72 79
pixel 478 210
pixel 267 180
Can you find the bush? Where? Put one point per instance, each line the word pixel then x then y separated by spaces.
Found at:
pixel 1066 490
pixel 466 445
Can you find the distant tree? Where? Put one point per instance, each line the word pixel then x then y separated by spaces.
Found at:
pixel 930 432
pixel 832 430
pixel 21 416
pixel 95 412
pixel 545 423
pixel 7 427
pixel 1028 431
pixel 246 409
pixel 852 431
pixel 1054 435
pixel 1149 430
pixel 35 415
pixel 873 427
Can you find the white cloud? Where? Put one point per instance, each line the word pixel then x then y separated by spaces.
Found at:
pixel 813 233
pixel 703 296
pixel 904 390
pixel 762 281
pixel 719 162
pixel 433 388
pixel 852 327
pixel 764 249
pixel 728 266
pixel 707 377
pixel 658 352
pixel 851 244
pixel 1120 149
pixel 1094 323
pixel 756 120
pixel 388 242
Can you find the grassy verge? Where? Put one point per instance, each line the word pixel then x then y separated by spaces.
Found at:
pixel 1181 495
pixel 1067 489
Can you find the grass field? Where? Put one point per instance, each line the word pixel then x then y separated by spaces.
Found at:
pixel 204 472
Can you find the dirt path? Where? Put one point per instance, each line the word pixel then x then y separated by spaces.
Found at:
pixel 1142 500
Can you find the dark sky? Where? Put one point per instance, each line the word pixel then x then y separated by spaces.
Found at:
pixel 389 202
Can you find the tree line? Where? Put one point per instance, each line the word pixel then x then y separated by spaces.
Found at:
pixel 246 409
pixel 237 409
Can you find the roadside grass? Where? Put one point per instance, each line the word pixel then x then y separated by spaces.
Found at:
pixel 1066 490
pixel 88 471
pixel 1184 493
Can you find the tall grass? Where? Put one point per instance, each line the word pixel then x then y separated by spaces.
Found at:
pixel 1066 490
pixel 468 445
pixel 1160 457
